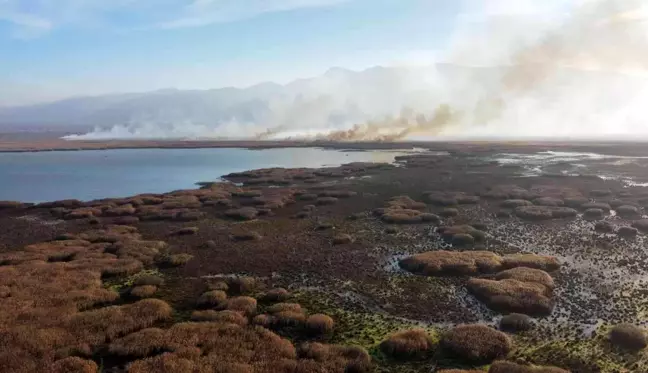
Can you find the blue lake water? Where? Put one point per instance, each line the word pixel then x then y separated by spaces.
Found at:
pixel 93 174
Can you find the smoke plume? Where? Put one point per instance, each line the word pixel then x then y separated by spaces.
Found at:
pixel 581 71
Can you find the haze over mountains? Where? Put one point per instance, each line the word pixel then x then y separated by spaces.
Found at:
pixel 484 101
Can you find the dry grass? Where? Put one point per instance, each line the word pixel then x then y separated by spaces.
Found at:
pixel 276 295
pixel 319 324
pixel 288 319
pixel 212 298
pixel 123 210
pixel 285 307
pixel 448 233
pixel 512 296
pixel 510 367
pixel 434 263
pixel 476 343
pixel 245 235
pixel 246 305
pixel 97 326
pixel 629 337
pixel 220 316
pixel 408 344
pixel 516 322
pixel 241 284
pixel 74 365
pixel 263 320
pixel 526 274
pixel 544 212
pixel 545 263
pixel 405 203
pixel 343 239
pixel 143 291
pixel 176 260
pixel 143 343
pixel 514 203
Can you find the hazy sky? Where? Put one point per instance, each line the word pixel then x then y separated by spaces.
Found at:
pixel 57 48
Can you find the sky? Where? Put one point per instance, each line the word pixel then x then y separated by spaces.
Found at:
pixel 51 49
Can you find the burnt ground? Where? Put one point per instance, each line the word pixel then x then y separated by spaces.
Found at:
pixel 602 280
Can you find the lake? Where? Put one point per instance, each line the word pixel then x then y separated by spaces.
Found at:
pixel 94 174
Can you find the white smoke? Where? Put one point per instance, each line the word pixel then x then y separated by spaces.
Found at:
pixel 579 71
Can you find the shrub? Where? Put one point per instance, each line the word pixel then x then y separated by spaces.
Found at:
pixel 338 193
pixel 462 240
pixel 212 298
pixel 476 343
pixel 434 263
pixel 243 213
pixel 276 295
pixel 513 203
pixel 593 214
pixel 415 343
pixel 516 322
pixel 596 205
pixel 120 210
pixel 241 284
pixel 143 343
pixel 143 291
pixel 512 296
pixel 185 231
pixel 575 202
pixel 243 304
pixel 225 316
pixel 74 365
pixel 326 201
pixel 548 201
pixel 342 239
pixel 319 324
pixel 641 225
pixel 449 212
pixel 307 197
pixel 126 220
pixel 148 280
pixel 604 227
pixel 627 211
pixel 600 192
pixel 246 236
pixel 627 232
pixel 628 336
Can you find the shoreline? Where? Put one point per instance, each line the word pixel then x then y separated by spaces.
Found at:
pixel 619 147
